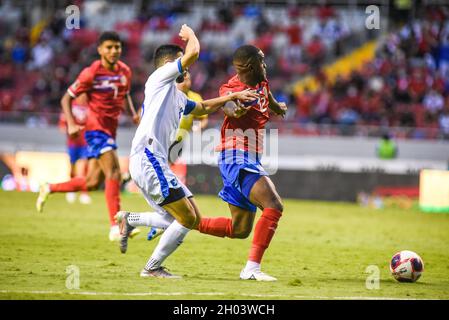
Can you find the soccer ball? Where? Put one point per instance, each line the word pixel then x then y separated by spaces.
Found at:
pixel 406 266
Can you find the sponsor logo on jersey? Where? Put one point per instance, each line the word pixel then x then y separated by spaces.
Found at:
pixel 173 182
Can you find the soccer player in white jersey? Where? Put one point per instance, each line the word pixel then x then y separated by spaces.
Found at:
pixel 164 104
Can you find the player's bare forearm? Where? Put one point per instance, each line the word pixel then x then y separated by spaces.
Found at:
pixel 66 105
pixel 212 105
pixel 272 103
pixel 72 128
pixel 209 106
pixel 132 109
pixel 192 51
pixel 277 107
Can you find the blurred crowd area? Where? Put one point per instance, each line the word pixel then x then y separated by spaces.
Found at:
pixel 405 86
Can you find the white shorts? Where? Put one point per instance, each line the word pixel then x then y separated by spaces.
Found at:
pixel 153 176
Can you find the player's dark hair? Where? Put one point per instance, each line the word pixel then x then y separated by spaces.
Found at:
pixel 108 36
pixel 245 52
pixel 166 51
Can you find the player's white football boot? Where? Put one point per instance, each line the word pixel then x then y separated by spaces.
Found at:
pixel 44 191
pixel 160 272
pixel 114 233
pixel 84 198
pixel 70 197
pixel 256 274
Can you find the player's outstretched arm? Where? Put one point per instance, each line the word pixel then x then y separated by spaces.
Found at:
pixel 212 105
pixel 192 51
pixel 72 128
pixel 280 108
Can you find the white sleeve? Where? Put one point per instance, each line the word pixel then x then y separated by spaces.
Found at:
pixel 182 97
pixel 168 72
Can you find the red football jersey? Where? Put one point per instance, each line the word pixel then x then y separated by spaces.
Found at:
pixel 234 131
pixel 106 91
pixel 79 112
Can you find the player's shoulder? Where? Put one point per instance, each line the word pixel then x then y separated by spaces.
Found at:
pixel 90 70
pixel 124 66
pixel 94 66
pixel 192 95
pixel 233 83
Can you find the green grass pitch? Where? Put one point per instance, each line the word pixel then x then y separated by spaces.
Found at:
pixel 320 251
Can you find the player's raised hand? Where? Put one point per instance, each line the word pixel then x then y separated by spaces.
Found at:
pixel 245 95
pixel 74 130
pixel 186 32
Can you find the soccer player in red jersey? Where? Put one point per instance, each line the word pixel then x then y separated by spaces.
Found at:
pixel 246 184
pixel 77 146
pixel 107 84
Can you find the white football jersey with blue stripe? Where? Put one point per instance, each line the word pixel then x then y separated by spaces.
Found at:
pixel 162 110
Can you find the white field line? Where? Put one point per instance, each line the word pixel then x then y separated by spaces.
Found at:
pixel 173 294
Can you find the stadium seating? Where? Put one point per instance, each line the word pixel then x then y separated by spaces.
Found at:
pixel 312 52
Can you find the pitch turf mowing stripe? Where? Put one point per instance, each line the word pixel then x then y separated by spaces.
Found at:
pixel 145 294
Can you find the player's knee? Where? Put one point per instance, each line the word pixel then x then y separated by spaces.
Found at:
pixel 279 205
pixel 113 174
pixel 92 184
pixel 241 233
pixel 275 203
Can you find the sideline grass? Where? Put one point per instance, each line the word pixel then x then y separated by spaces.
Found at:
pixel 320 251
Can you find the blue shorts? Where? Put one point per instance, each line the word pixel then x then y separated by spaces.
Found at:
pixel 240 171
pixel 76 153
pixel 98 143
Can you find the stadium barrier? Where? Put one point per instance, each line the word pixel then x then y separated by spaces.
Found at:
pixel 319 168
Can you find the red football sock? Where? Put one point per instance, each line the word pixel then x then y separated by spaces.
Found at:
pixel 74 184
pixel 112 194
pixel 219 227
pixel 263 233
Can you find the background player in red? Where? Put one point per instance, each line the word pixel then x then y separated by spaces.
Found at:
pixel 246 184
pixel 107 83
pixel 77 146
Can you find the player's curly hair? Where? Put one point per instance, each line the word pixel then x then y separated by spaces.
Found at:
pixel 165 51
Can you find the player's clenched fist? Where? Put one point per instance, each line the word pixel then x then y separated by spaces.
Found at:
pixel 282 109
pixel 73 130
pixel 239 110
pixel 186 32
pixel 136 119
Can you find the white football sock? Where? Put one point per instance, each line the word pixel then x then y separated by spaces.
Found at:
pixel 150 219
pixel 170 240
pixel 251 266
